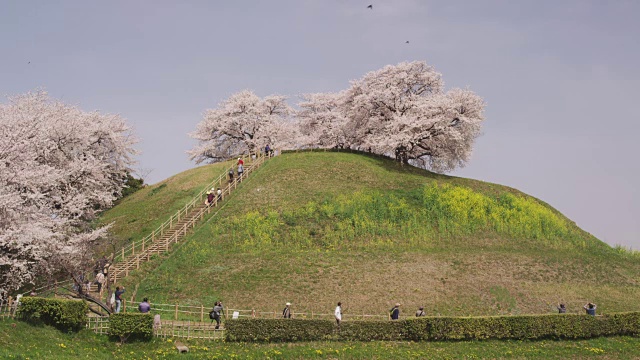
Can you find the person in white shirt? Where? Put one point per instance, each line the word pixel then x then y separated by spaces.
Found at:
pixel 100 281
pixel 338 314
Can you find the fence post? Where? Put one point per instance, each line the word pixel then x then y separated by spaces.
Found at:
pixel 143 241
pixel 137 262
pixel 201 313
pixel 176 313
pixel 122 254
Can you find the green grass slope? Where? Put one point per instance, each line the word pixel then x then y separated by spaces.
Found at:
pixel 315 228
pixel 138 214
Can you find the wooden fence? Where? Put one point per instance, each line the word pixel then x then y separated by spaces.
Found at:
pixel 7 308
pixel 167 328
pixel 200 313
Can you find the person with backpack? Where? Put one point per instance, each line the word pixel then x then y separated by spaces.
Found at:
pixel 420 312
pixel 395 312
pixel 219 195
pixel 215 313
pixel 210 197
pixel 230 175
pixel 562 309
pixel 286 313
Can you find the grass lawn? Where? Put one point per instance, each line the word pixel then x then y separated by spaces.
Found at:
pixel 24 341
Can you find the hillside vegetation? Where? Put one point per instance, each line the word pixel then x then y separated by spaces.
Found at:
pixel 315 228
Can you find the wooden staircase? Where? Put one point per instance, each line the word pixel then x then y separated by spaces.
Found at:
pixel 176 228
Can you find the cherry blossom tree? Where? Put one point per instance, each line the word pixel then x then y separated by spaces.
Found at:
pixel 322 120
pixel 402 111
pixel 59 166
pixel 243 122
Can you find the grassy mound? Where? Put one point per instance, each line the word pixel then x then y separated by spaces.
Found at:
pixel 317 228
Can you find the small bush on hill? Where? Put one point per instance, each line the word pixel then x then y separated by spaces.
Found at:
pixel 63 314
pixel 124 326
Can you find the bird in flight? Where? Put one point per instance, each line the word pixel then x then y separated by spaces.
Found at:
pixel 407 42
pixel 370 7
pixel 29 63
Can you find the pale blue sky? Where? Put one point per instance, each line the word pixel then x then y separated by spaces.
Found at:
pixel 560 77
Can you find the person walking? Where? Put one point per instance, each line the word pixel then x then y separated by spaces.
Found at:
pixel 215 313
pixel 219 193
pixel 231 175
pixel 338 314
pixel 118 295
pixel 590 308
pixel 562 309
pixel 395 312
pixel 144 306
pixel 240 171
pixel 286 313
pixel 210 197
pixel 420 312
pixel 100 281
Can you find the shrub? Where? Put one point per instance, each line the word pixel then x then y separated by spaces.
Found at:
pixel 371 330
pixel 563 326
pixel 278 330
pixel 63 314
pixel 124 325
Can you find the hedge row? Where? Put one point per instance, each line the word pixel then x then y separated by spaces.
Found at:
pixel 564 326
pixel 63 314
pixel 125 325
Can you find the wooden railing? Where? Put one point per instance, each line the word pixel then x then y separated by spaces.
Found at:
pixel 167 328
pixel 200 313
pixel 130 249
pixel 194 211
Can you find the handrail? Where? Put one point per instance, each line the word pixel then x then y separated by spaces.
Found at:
pixel 124 254
pixel 201 313
pixel 184 211
pixel 129 254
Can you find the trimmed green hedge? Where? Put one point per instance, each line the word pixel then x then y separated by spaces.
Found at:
pixel 557 326
pixel 63 314
pixel 124 325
